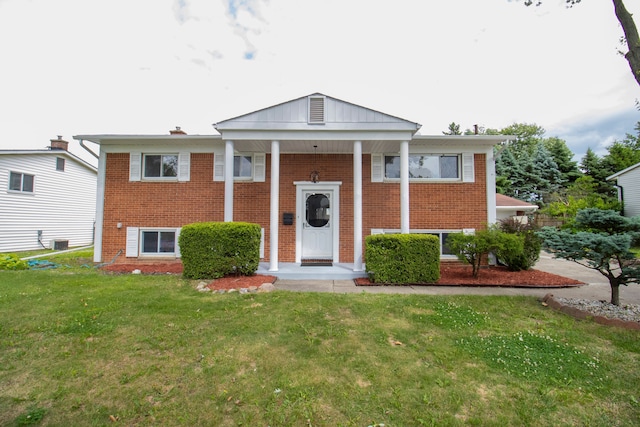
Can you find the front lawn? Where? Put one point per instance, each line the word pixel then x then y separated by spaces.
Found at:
pixel 78 347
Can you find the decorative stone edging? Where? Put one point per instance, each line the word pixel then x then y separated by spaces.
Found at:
pixel 265 287
pixel 550 301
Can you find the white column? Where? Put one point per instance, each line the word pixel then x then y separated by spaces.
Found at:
pixel 404 187
pixel 228 181
pixel 275 204
pixel 357 206
pixel 491 186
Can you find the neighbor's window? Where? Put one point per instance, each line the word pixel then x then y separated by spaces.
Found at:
pixel 160 165
pixel 425 166
pixel 158 242
pixel 59 164
pixel 21 182
pixel 243 167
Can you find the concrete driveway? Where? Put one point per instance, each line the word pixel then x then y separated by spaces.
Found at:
pixel 596 288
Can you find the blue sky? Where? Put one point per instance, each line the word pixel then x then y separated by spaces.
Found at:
pixel 145 66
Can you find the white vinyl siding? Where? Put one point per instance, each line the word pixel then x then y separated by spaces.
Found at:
pixel 62 206
pixel 630 183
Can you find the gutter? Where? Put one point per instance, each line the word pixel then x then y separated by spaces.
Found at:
pixel 81 141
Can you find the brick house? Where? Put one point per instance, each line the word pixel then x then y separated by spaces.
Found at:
pixel 318 174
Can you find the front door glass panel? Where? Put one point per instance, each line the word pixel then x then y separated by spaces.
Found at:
pixel 318 210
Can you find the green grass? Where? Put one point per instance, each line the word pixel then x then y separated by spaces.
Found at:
pixel 78 347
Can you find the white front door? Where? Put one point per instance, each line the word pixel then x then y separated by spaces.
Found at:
pixel 317 233
pixel 317 220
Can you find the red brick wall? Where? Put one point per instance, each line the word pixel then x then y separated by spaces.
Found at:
pixel 174 204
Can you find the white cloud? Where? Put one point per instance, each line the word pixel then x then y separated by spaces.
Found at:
pixel 145 66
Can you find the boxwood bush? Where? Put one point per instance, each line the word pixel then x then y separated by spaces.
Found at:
pixel 210 250
pixel 403 258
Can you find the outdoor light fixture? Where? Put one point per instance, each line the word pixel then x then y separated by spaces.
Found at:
pixel 315 175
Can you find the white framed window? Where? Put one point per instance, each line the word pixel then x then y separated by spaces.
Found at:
pixel 424 166
pixel 246 167
pixel 445 251
pixel 162 242
pixel 160 166
pixel 21 182
pixel 157 242
pixel 243 167
pixel 60 164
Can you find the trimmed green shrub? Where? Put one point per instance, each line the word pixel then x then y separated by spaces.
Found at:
pixel 474 248
pixel 12 262
pixel 510 251
pixel 210 250
pixel 531 244
pixel 403 258
pixel 471 248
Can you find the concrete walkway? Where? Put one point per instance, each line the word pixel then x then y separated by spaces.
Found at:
pixel 596 288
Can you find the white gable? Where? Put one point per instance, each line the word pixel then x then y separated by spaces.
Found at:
pixel 317 112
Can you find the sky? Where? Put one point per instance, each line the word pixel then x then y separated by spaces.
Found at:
pixel 72 67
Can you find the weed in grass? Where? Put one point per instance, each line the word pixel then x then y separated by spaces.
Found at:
pixel 536 357
pixel 449 315
pixel 33 416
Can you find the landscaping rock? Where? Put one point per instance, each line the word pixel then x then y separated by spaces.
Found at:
pixel 267 287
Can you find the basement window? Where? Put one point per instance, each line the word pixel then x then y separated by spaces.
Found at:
pixel 158 242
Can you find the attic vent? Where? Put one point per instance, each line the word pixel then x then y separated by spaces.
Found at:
pixel 316 109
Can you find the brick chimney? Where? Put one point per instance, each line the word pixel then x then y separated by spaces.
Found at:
pixel 177 131
pixel 59 144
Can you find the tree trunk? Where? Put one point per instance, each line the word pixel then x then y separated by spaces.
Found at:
pixel 615 294
pixel 632 37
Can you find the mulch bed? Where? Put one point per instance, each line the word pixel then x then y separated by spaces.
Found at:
pixel 494 276
pixel 449 276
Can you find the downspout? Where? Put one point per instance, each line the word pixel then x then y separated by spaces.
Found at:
pixel 88 149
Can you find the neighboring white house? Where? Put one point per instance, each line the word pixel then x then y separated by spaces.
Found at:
pixel 628 181
pixel 47 199
pixel 508 207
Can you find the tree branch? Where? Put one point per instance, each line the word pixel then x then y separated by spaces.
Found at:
pixel 632 37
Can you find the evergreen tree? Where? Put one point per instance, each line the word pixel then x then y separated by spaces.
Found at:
pixel 454 129
pixel 622 154
pixel 547 172
pixel 602 242
pixel 563 157
pixel 508 173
